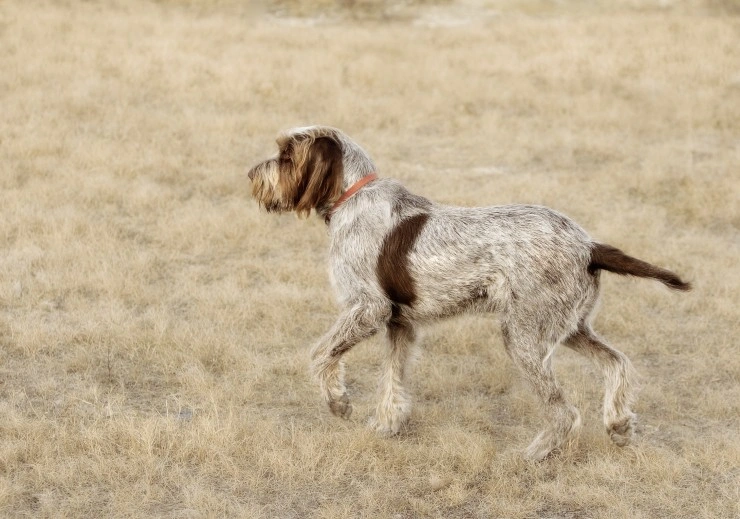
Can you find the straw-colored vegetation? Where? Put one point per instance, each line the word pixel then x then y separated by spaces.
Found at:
pixel 154 324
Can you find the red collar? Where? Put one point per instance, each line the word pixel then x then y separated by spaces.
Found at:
pixel 354 188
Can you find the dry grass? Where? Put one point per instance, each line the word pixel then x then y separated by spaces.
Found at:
pixel 154 325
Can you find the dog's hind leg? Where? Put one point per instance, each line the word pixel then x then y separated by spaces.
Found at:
pixel 533 356
pixel 618 373
pixel 394 407
pixel 357 322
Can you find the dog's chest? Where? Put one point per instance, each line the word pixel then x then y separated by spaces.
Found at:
pixel 353 267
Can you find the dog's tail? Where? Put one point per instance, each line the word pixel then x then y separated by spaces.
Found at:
pixel 606 257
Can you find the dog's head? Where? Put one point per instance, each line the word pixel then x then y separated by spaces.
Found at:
pixel 305 174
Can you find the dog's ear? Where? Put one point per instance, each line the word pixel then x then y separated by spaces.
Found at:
pixel 321 170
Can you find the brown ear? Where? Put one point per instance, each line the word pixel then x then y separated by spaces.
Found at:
pixel 321 182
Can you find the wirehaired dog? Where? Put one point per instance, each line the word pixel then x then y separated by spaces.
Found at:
pixel 398 260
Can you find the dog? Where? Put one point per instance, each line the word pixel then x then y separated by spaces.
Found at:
pixel 398 260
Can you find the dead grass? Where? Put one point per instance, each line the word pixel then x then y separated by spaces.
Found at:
pixel 154 325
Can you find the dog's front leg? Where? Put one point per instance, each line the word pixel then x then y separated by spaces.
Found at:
pixel 358 322
pixel 394 407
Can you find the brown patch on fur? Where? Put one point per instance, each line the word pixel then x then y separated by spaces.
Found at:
pixel 317 164
pixel 606 257
pixel 393 266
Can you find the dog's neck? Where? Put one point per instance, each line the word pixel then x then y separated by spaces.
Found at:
pixel 356 163
pixel 349 193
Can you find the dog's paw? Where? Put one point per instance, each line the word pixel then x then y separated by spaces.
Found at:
pixel 389 422
pixel 622 431
pixel 552 442
pixel 341 407
pixel 383 429
pixel 539 451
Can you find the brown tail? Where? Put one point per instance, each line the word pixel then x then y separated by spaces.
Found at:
pixel 606 257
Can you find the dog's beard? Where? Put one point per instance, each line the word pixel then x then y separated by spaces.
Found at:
pixel 266 188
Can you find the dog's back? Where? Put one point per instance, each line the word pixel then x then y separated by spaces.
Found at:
pixel 435 260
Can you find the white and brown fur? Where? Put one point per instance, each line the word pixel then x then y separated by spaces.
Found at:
pixel 398 260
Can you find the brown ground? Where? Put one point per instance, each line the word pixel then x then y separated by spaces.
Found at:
pixel 154 325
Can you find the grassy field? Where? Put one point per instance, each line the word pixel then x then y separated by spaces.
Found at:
pixel 155 325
